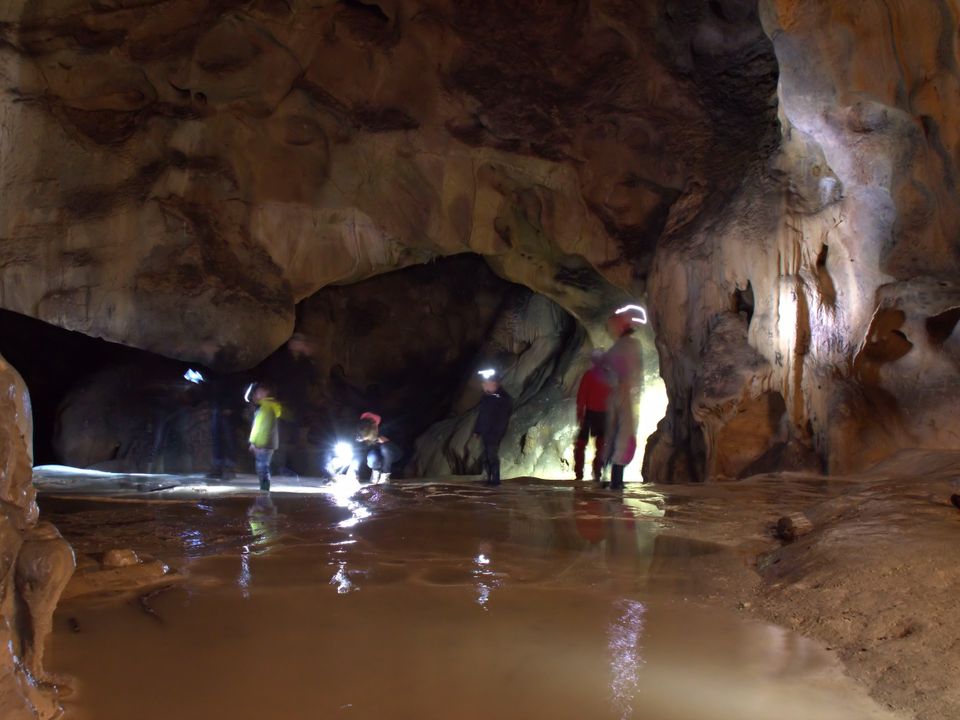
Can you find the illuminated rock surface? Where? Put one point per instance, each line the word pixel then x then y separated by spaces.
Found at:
pixel 178 175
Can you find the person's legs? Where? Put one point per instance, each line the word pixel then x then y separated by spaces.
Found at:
pixel 263 458
pixel 390 454
pixel 597 422
pixel 216 443
pixel 491 452
pixel 228 443
pixel 375 463
pixel 616 477
pixel 580 447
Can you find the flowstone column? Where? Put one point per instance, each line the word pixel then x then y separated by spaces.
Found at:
pixel 35 564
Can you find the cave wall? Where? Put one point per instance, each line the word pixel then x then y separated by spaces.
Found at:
pixel 847 240
pixel 180 174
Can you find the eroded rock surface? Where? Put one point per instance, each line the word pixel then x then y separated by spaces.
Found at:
pixel 35 564
pixel 840 252
pixel 179 173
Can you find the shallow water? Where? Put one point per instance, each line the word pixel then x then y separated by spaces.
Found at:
pixel 424 601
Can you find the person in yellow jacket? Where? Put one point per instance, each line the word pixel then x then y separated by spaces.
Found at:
pixel 264 434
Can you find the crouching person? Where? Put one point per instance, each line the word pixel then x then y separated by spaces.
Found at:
pixel 492 421
pixel 381 453
pixel 264 434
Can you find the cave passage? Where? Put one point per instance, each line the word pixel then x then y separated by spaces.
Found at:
pixel 405 345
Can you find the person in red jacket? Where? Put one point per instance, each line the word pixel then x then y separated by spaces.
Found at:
pixel 592 398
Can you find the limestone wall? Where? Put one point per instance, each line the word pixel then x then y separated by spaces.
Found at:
pixel 847 241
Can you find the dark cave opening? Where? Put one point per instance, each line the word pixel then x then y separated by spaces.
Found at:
pixel 405 345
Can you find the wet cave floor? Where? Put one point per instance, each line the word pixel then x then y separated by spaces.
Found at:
pixel 432 600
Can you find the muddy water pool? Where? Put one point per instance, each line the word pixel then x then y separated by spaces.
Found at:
pixel 425 601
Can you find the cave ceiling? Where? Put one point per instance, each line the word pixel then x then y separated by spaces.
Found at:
pixel 180 173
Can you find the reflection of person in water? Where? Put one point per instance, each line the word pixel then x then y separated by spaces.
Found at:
pixel 262 520
pixel 380 452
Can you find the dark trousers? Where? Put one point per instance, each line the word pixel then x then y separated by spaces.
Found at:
pixel 222 440
pixel 594 424
pixel 263 457
pixel 616 477
pixel 491 460
pixel 382 456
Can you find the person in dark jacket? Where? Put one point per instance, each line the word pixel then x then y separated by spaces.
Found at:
pixel 592 396
pixel 492 421
pixel 225 396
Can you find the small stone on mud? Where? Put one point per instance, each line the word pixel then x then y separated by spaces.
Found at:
pixel 794 525
pixel 120 558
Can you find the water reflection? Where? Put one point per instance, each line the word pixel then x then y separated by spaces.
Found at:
pixel 342 580
pixel 343 491
pixel 486 581
pixel 262 521
pixel 626 657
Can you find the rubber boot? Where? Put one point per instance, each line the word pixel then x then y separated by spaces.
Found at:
pixel 600 449
pixel 616 477
pixel 579 454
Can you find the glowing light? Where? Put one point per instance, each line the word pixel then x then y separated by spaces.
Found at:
pixel 246 394
pixel 342 464
pixel 193 376
pixel 634 308
pixel 487 374
pixel 486 580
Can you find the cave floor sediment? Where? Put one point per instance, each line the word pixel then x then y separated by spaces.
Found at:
pixel 538 599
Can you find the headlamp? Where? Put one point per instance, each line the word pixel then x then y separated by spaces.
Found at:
pixel 642 319
pixel 194 376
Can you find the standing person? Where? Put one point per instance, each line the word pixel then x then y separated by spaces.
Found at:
pixel 264 435
pixel 592 396
pixel 492 421
pixel 224 396
pixel 381 453
pixel 624 364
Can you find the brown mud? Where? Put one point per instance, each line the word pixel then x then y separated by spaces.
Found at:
pixel 538 600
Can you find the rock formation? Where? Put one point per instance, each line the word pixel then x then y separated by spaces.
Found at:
pixel 35 565
pixel 180 174
pixel 840 252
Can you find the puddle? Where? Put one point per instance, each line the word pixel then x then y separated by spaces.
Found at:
pixel 410 603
